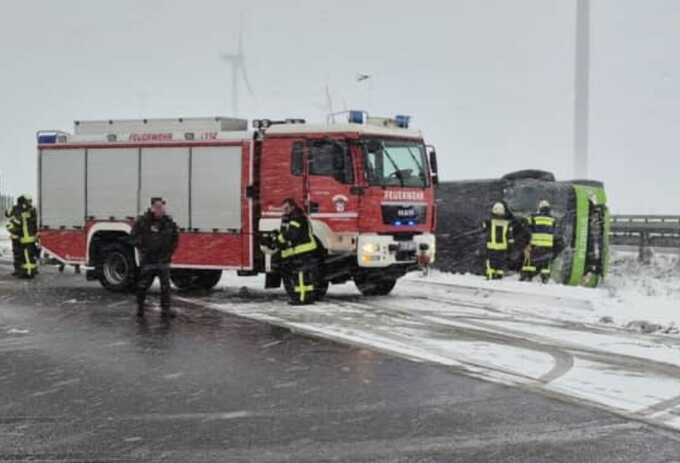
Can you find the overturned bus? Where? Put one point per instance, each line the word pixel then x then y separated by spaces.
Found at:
pixel 580 207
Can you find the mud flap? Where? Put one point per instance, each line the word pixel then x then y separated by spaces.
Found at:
pixel 272 281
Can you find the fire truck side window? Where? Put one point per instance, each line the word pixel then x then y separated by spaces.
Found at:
pixel 332 159
pixel 296 159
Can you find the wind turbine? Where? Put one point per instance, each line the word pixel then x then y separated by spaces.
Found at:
pixel 238 69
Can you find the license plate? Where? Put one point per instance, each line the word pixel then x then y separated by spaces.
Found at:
pixel 407 246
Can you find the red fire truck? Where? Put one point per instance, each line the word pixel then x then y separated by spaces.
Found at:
pixel 366 184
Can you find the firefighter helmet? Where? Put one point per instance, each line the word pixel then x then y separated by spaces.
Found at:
pixel 498 209
pixel 543 204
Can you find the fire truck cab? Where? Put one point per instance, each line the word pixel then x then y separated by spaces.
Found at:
pixel 367 186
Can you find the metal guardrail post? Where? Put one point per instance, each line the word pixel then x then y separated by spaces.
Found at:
pixel 644 253
pixel 645 232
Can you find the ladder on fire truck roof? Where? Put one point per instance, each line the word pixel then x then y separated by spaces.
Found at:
pixel 188 124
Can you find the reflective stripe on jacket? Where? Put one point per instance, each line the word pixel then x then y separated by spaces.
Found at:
pixel 296 236
pixel 498 235
pixel 28 226
pixel 542 231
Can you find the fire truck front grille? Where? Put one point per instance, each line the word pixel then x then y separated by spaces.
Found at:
pixel 405 256
pixel 404 214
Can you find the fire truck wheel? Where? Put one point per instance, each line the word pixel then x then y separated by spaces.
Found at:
pixel 208 279
pixel 117 267
pixel 320 289
pixel 369 287
pixel 183 279
pixel 187 280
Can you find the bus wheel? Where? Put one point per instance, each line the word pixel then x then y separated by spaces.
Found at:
pixel 117 268
pixel 369 287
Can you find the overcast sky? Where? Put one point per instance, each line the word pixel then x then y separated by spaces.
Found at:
pixel 490 82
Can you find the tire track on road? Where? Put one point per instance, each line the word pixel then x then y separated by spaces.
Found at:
pixel 563 361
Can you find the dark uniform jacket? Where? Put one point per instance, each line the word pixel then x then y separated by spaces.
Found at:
pixel 295 237
pixel 156 239
pixel 498 233
pixel 542 227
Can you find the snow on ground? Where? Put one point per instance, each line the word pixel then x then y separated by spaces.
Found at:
pixel 635 296
pixel 590 345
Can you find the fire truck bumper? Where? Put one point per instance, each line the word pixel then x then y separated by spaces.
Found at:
pixel 376 251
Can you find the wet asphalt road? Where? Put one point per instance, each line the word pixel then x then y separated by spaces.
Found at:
pixel 82 380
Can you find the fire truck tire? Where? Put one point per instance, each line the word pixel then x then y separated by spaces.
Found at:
pixel 183 279
pixel 320 289
pixel 375 287
pixel 208 279
pixel 117 270
pixel 188 280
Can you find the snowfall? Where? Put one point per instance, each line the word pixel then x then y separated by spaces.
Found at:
pixel 615 347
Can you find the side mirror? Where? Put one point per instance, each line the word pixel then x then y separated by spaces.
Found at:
pixel 433 166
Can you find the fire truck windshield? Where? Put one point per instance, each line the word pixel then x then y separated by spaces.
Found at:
pixel 395 163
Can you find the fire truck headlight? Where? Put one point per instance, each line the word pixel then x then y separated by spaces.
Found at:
pixel 370 248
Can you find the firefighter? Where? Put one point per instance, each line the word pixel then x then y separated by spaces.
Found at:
pixel 499 239
pixel 298 247
pixel 155 235
pixel 28 238
pixel 538 256
pixel 13 226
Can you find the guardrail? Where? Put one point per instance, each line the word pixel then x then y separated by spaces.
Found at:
pixel 645 232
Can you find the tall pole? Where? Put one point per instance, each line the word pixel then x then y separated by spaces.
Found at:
pixel 234 88
pixel 581 81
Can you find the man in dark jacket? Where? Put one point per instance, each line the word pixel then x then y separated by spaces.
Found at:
pixel 298 248
pixel 155 236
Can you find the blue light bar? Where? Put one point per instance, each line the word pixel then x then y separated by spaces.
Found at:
pixel 47 138
pixel 402 121
pixel 397 222
pixel 356 117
